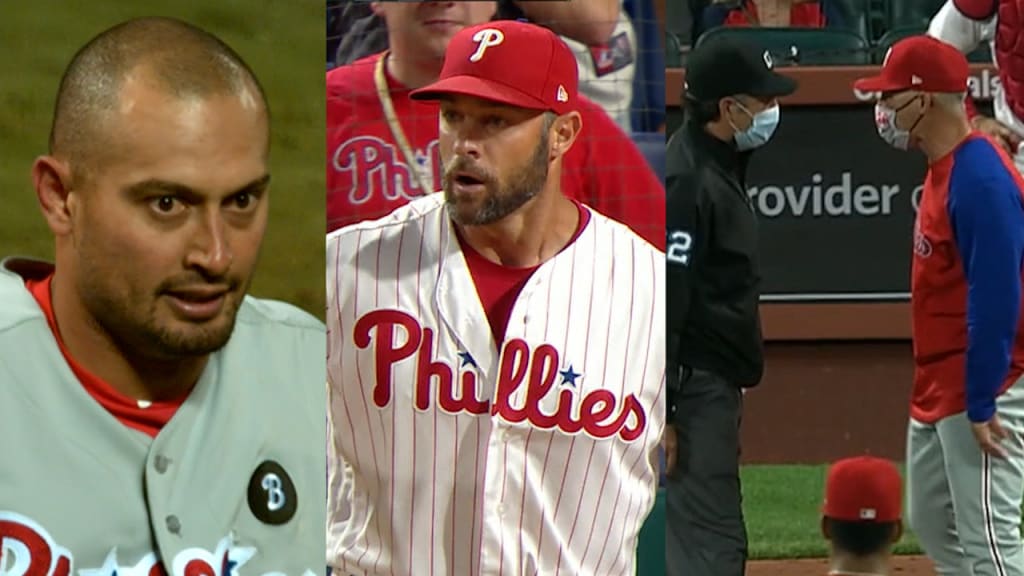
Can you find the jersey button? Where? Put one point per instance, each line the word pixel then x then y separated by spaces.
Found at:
pixel 173 524
pixel 161 463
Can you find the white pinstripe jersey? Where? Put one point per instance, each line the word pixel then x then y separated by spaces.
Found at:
pixel 449 458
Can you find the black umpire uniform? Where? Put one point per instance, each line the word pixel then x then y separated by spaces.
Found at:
pixel 714 331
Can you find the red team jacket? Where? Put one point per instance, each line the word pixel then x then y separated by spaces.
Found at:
pixel 966 283
pixel 368 177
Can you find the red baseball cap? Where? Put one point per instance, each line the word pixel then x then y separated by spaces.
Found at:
pixel 863 489
pixel 919 63
pixel 511 62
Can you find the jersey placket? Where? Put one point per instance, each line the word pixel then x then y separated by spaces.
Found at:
pixel 505 501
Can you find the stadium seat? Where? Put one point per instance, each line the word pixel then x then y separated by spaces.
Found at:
pixel 673 50
pixel 652 146
pixel 855 16
pixel 911 13
pixel 802 46
pixel 982 55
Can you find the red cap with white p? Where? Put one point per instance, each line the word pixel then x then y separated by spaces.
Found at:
pixel 511 62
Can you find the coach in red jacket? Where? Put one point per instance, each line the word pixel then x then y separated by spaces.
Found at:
pixel 965 441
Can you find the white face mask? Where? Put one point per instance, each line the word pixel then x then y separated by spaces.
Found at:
pixel 885 122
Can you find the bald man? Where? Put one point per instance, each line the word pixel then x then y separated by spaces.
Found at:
pixel 154 417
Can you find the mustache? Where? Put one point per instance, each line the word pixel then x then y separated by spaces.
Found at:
pixel 463 166
pixel 198 282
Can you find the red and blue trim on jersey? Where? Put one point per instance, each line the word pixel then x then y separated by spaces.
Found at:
pixel 966 283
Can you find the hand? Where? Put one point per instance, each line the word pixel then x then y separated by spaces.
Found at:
pixel 989 435
pixel 997 130
pixel 669 443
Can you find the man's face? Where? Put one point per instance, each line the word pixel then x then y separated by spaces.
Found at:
pixel 167 230
pixel 741 109
pixel 495 158
pixel 427 27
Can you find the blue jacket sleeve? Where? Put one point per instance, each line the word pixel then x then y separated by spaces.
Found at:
pixel 987 218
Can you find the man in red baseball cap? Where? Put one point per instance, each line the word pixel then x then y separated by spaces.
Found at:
pixel 862 515
pixel 382 147
pixel 965 457
pixel 920 75
pixel 504 74
pixel 522 437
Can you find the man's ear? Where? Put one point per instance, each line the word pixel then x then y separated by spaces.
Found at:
pixel 564 131
pixel 723 107
pixel 52 180
pixel 378 10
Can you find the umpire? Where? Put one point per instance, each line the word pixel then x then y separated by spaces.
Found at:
pixel 714 332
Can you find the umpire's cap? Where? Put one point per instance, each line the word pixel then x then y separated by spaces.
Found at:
pixel 726 66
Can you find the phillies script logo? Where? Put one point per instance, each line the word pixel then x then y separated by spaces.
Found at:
pixel 374 168
pixel 26 549
pixel 922 246
pixel 397 336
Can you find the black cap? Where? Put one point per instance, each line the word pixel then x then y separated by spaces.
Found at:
pixel 726 66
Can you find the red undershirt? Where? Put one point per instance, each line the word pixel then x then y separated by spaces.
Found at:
pixel 498 286
pixel 127 410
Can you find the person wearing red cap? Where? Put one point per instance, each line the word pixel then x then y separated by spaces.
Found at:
pixel 382 146
pixel 862 516
pixel 495 370
pixel 964 442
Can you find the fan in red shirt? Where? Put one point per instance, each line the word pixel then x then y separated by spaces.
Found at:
pixel 382 145
pixel 771 13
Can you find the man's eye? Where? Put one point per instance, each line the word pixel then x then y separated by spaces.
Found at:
pixel 166 204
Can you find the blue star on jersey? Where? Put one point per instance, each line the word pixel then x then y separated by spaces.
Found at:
pixel 569 376
pixel 467 359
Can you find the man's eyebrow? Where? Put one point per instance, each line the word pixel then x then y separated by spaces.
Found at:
pixel 484 104
pixel 154 186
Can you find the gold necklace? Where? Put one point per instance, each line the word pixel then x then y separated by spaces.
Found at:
pixel 384 95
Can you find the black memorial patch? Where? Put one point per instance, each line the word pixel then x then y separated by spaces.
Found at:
pixel 272 496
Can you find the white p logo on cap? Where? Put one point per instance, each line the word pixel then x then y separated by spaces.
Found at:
pixel 485 39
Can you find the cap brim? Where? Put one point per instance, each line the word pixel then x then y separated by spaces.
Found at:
pixel 478 88
pixel 875 84
pixel 774 85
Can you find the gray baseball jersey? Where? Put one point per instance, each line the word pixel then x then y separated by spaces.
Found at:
pixel 233 484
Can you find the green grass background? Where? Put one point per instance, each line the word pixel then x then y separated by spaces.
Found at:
pixel 782 506
pixel 282 40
